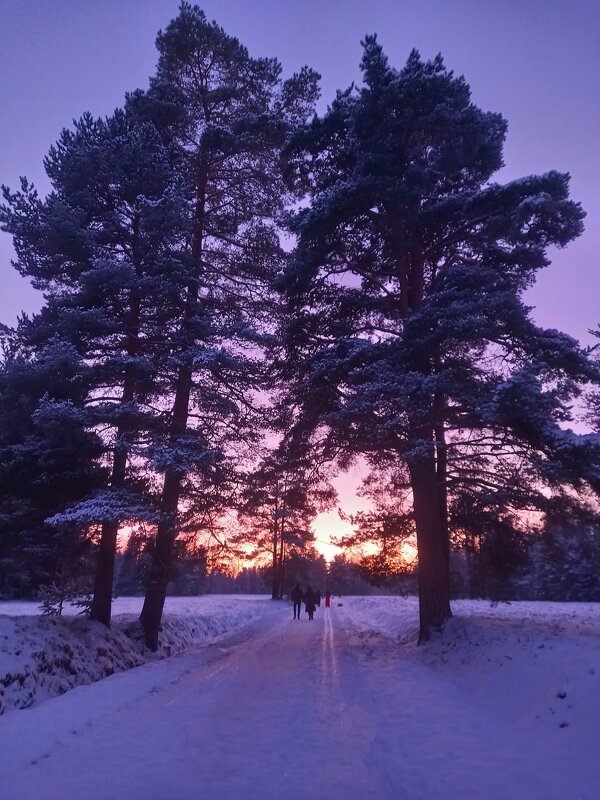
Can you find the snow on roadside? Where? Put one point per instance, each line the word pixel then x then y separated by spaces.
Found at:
pixel 533 665
pixel 41 657
pixel 396 617
pixel 520 657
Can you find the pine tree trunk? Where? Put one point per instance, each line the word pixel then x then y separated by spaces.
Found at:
pixel 274 564
pixel 101 607
pixel 281 575
pixel 166 533
pixel 275 578
pixel 162 555
pixel 105 565
pixel 441 458
pixel 433 573
pixel 427 478
pixel 162 558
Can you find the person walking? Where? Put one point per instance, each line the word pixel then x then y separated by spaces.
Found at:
pixel 296 597
pixel 310 602
pixel 327 598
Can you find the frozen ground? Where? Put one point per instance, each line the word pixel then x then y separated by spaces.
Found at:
pixel 506 704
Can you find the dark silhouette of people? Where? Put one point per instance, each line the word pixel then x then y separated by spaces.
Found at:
pixel 318 597
pixel 327 598
pixel 310 602
pixel 296 597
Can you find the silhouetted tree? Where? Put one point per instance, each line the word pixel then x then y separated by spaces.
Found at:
pixel 405 312
pixel 223 115
pixel 100 246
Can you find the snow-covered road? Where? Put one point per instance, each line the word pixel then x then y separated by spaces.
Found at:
pixel 282 709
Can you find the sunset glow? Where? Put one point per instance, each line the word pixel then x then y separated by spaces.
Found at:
pixel 328 525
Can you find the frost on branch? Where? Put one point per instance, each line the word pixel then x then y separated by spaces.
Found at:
pixel 108 505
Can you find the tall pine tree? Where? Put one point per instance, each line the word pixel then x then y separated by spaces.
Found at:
pixel 100 247
pixel 223 116
pixel 405 293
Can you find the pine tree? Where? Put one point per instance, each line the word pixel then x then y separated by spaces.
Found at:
pixel 405 293
pixel 565 555
pixel 100 246
pixel 223 115
pixel 131 565
pixel 279 502
pixel 383 537
pixel 343 578
pixel 592 415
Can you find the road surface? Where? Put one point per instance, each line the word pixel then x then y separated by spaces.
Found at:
pixel 284 710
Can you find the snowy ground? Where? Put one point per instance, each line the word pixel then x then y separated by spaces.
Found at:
pixel 41 657
pixel 505 704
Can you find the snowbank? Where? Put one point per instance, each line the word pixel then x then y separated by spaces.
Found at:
pixel 532 665
pixel 41 657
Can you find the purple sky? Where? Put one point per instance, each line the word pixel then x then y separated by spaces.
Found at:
pixel 537 62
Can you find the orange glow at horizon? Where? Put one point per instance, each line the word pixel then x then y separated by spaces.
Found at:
pixel 408 550
pixel 325 525
pixel 329 523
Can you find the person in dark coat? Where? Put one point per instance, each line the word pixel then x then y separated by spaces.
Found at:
pixel 310 602
pixel 296 598
pixel 318 597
